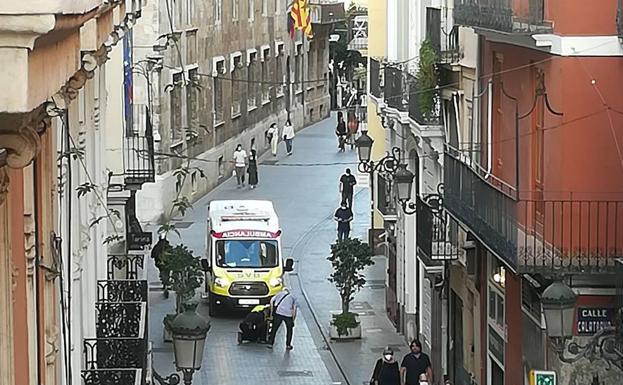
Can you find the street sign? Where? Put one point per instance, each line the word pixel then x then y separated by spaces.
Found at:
pixel 542 377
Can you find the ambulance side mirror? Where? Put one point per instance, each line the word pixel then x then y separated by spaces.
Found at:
pixel 205 265
pixel 289 265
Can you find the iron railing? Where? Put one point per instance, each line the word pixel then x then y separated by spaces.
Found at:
pixel 116 376
pixel 120 319
pixel 394 90
pixel 385 202
pixel 122 290
pixel 376 89
pixel 501 15
pixel 434 241
pixel 115 353
pixel 451 48
pixel 124 266
pixel 138 155
pixel 534 235
pixel 424 105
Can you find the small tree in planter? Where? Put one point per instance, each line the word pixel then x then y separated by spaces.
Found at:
pixel 185 276
pixel 349 258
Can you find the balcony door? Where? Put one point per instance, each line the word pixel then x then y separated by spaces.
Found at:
pixel 538 125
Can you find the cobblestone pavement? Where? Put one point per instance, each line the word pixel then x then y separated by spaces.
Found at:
pixel 304 189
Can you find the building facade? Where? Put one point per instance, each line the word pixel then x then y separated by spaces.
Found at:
pixel 230 69
pixel 536 192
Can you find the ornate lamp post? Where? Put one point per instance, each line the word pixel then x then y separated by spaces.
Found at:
pixel 389 165
pixel 189 331
pixel 558 301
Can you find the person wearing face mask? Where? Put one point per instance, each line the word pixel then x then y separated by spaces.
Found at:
pixel 415 364
pixel 240 163
pixel 386 371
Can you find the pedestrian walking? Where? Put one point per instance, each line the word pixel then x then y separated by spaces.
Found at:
pixel 347 187
pixel 340 131
pixel 288 136
pixel 283 308
pixel 252 169
pixel 272 135
pixel 157 253
pixel 343 216
pixel 386 370
pixel 416 363
pixel 240 163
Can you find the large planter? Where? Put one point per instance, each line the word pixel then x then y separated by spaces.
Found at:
pixel 351 334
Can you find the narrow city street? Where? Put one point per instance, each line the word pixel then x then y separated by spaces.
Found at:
pixel 304 189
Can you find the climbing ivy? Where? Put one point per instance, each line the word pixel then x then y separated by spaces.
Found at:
pixel 427 79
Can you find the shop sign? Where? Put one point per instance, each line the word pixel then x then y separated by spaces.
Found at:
pixel 591 320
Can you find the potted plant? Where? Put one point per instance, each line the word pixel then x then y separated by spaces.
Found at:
pixel 185 276
pixel 349 258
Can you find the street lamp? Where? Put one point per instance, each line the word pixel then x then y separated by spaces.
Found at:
pixel 189 331
pixel 559 301
pixel 389 165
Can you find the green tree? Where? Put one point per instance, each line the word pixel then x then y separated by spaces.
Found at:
pixel 427 79
pixel 185 274
pixel 349 258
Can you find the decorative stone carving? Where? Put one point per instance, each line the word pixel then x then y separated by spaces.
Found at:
pixel 29 244
pixel 51 344
pixel 14 275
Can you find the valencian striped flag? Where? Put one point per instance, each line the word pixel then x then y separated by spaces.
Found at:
pixel 301 17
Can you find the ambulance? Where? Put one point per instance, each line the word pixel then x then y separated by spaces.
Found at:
pixel 244 264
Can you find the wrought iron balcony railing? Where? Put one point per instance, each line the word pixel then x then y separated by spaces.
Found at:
pixel 424 104
pixel 502 15
pixel 124 266
pixel 122 290
pixel 120 319
pixel 115 353
pixel 138 154
pixel 534 235
pixel 394 94
pixel 433 224
pixel 112 376
pixel 376 89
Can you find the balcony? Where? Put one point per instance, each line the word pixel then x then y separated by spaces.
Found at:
pixel 112 376
pixel 394 89
pixel 384 198
pixel 534 236
pixel 138 154
pixel 326 12
pixel 450 52
pixel 124 266
pixel 502 16
pixel 434 242
pixel 122 290
pixel 359 33
pixel 424 105
pixel 376 89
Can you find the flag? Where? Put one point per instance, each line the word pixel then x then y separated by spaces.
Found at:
pixel 291 29
pixel 301 16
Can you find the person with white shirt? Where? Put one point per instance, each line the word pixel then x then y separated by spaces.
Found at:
pixel 240 164
pixel 273 138
pixel 288 136
pixel 283 307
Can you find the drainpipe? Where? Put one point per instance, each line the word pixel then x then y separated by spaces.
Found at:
pixel 37 273
pixel 489 126
pixel 455 99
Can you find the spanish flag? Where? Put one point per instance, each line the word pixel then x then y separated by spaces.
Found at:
pixel 301 16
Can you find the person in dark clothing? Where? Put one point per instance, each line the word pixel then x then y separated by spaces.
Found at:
pixel 157 253
pixel 386 371
pixel 416 363
pixel 343 216
pixel 252 169
pixel 253 327
pixel 340 131
pixel 347 186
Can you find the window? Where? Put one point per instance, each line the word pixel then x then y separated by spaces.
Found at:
pixel 251 9
pixel 217 9
pixel 193 182
pixel 265 76
pixel 176 108
pixel 277 9
pixel 179 13
pixel 251 84
pixel 298 68
pixel 235 85
pixel 280 76
pixel 234 9
pixel 246 253
pixel 264 7
pixel 218 92
pixel 530 301
pixel 496 308
pixel 192 96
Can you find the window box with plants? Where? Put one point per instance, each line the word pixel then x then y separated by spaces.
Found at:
pixel 349 258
